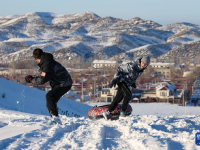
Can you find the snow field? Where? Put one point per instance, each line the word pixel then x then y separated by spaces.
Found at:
pixel 151 126
pixel 134 132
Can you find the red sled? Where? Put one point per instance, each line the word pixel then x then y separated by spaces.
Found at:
pixel 96 112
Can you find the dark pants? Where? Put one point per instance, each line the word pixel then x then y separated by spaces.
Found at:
pixel 53 97
pixel 122 93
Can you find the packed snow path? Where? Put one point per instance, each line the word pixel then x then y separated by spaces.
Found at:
pixel 135 132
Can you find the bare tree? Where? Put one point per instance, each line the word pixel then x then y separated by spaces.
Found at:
pixel 135 56
pixel 197 59
pixel 175 73
pixel 172 56
pixel 147 75
pixel 23 64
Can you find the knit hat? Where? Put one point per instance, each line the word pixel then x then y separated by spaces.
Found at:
pixel 146 59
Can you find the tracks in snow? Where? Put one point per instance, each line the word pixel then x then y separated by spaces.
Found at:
pixel 135 132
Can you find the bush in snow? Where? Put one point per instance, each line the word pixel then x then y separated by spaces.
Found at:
pixel 3 95
pixel 68 114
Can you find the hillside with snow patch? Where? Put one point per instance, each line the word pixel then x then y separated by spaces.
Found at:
pixel 87 34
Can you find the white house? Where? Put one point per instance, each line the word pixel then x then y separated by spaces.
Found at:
pixel 164 90
pixel 162 65
pixel 107 94
pixel 105 64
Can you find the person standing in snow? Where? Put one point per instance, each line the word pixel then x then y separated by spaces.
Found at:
pixel 59 79
pixel 125 78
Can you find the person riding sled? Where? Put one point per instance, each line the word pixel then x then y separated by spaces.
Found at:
pixel 125 77
pixel 57 75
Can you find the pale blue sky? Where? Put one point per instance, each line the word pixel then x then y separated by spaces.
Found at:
pixel 161 11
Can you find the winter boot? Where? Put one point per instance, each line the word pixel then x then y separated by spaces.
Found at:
pixel 122 114
pixel 54 120
pixel 107 115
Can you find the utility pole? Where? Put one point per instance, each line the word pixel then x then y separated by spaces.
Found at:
pixel 185 89
pixel 82 90
pixel 183 95
pixel 192 88
pixel 149 85
pixel 94 85
pixel 82 81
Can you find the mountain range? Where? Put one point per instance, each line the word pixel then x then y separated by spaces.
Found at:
pixel 86 35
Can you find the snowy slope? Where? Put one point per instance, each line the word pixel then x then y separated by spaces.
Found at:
pixel 31 100
pixel 151 126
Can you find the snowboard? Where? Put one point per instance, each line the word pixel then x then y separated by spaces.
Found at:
pixel 96 112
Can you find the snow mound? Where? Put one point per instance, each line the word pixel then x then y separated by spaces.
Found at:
pixel 31 100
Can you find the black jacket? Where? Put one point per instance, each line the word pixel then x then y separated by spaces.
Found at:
pixel 53 72
pixel 129 72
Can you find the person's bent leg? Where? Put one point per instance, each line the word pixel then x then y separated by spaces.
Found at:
pixel 53 96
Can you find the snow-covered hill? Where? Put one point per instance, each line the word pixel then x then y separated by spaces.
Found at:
pixel 153 126
pixel 31 100
pixel 88 34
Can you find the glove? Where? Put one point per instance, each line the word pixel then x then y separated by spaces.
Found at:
pixel 114 82
pixel 133 85
pixel 28 78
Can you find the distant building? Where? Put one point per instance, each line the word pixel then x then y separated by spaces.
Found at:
pixel 164 92
pixel 161 65
pixel 164 69
pixel 107 94
pixel 104 64
pixel 77 87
